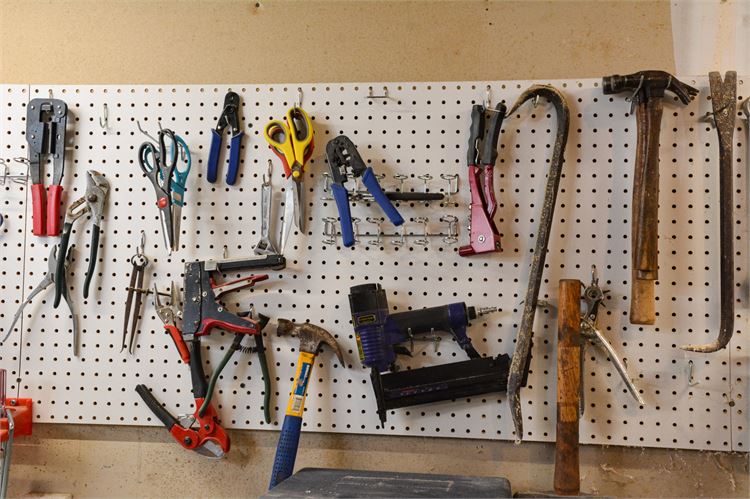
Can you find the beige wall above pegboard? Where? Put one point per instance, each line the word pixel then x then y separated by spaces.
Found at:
pixel 173 41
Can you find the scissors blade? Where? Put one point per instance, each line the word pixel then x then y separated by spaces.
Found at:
pixel 286 226
pixel 299 207
pixel 166 232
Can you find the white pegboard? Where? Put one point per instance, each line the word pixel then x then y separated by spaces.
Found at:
pixel 421 128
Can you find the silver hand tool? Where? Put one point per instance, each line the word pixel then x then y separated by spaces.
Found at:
pixel 47 281
pixel 265 245
pixel 593 295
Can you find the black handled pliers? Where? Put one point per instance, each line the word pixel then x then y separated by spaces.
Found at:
pixel 230 116
pixel 97 189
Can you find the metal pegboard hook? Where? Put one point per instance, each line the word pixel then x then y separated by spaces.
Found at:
pixel 267 175
pixel 144 132
pixel 298 102
pixel 104 123
pixel 141 249
pixel 371 95
pixel 487 103
pixel 690 378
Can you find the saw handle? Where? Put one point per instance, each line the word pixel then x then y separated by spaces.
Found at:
pixel 569 350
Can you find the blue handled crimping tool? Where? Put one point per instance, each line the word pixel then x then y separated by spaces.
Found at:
pixel 230 116
pixel 344 160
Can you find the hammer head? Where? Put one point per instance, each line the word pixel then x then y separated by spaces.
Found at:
pixel 648 84
pixel 311 337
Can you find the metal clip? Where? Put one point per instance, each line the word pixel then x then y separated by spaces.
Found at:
pixel 401 179
pixel 452 221
pixel 424 240
pixel 378 241
pixel 401 238
pixel 16 179
pixel 452 179
pixel 425 178
pixel 370 94
pixel 329 230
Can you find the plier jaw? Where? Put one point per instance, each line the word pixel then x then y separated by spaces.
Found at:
pixel 343 158
pixel 230 116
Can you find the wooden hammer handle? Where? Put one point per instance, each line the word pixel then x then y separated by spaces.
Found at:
pixel 567 473
pixel 645 212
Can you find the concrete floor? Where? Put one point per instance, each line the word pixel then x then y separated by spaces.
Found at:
pixel 100 461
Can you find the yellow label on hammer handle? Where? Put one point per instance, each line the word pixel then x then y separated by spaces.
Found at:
pixel 296 404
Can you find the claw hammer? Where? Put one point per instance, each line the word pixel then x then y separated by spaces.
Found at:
pixel 311 338
pixel 647 89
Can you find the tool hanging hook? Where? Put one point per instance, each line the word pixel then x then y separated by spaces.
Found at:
pixel 371 95
pixel 105 123
pixel 144 132
pixel 269 172
pixel 298 102
pixel 488 97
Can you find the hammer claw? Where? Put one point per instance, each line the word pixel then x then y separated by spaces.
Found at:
pixel 311 337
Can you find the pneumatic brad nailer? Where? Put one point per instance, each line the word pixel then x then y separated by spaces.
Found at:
pixel 381 335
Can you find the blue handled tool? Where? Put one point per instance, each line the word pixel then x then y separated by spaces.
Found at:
pixel 343 158
pixel 311 338
pixel 230 116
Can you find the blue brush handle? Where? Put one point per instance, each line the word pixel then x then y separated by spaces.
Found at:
pixel 286 450
pixel 213 157
pixel 234 158
pixel 342 203
pixel 371 182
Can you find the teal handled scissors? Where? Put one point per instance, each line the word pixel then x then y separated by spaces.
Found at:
pixel 179 181
pixel 179 155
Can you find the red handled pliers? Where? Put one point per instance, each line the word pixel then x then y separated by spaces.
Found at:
pixel 45 132
pixel 202 434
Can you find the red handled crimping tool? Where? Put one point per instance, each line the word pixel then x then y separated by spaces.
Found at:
pixel 484 236
pixel 45 132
